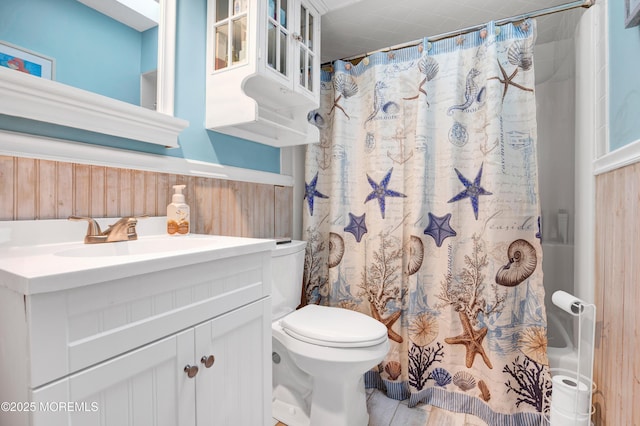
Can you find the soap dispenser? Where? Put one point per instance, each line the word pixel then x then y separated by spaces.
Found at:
pixel 178 213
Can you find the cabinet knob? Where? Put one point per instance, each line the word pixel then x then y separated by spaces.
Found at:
pixel 208 360
pixel 191 371
pixel 297 37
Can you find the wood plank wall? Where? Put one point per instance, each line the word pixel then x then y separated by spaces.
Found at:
pixel 43 189
pixel 617 357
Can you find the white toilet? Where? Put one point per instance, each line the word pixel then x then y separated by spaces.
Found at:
pixel 320 354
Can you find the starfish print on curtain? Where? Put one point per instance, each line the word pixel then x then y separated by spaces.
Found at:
pixel 507 80
pixel 439 228
pixel 472 191
pixel 381 190
pixel 310 192
pixel 520 54
pixel 472 341
pixel 357 226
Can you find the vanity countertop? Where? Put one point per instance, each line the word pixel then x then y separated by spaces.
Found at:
pixel 38 256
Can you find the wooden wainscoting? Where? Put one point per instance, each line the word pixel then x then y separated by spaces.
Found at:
pixel 617 358
pixel 43 189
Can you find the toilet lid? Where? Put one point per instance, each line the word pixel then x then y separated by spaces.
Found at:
pixel 334 327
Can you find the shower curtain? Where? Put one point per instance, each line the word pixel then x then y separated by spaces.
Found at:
pixel 421 210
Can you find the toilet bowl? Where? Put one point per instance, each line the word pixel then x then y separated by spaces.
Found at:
pixel 320 353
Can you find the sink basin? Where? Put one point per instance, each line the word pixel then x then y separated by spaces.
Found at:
pixel 144 246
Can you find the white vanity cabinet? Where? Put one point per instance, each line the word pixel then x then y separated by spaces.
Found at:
pixel 149 386
pixel 124 351
pixel 263 69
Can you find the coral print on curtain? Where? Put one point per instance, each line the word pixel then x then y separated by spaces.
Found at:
pixel 422 210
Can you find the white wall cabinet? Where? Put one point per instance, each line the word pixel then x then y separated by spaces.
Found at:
pixel 120 351
pixel 263 69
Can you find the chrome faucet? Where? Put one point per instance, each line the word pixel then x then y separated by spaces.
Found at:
pixel 123 230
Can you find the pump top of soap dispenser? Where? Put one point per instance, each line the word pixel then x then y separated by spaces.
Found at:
pixel 178 196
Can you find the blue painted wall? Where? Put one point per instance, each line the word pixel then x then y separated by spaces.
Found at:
pixel 149 50
pixel 624 83
pixel 48 30
pixel 92 52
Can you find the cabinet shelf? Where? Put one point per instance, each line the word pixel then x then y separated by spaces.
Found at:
pixel 267 132
pixel 263 111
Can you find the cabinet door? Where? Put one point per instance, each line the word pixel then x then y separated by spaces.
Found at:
pixel 236 388
pixel 229 33
pixel 279 24
pixel 147 386
pixel 307 50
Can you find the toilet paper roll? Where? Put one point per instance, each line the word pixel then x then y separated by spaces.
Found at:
pixel 570 396
pixel 558 418
pixel 567 302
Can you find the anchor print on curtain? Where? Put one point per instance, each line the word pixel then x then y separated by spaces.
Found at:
pixel 421 211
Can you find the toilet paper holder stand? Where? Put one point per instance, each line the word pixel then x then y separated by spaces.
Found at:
pixel 586 315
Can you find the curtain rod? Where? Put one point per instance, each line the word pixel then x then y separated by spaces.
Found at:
pixel 503 21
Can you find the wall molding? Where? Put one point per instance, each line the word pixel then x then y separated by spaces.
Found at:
pixel 30 146
pixel 621 157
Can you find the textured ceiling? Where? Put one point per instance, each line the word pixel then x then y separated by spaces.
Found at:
pixel 353 28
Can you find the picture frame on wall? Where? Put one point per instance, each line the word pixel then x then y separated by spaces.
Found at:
pixel 631 13
pixel 26 61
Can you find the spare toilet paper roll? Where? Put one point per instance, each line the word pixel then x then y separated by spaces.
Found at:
pixel 567 302
pixel 570 396
pixel 557 418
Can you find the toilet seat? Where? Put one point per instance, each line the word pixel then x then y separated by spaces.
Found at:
pixel 334 327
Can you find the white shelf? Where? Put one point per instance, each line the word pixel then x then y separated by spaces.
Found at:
pixel 270 132
pixel 49 101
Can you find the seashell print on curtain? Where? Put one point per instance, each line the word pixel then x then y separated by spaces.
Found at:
pixel 422 211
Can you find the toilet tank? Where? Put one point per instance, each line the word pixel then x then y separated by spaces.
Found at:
pixel 287 267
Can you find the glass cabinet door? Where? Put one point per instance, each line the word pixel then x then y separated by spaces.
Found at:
pixel 278 35
pixel 307 47
pixel 230 33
